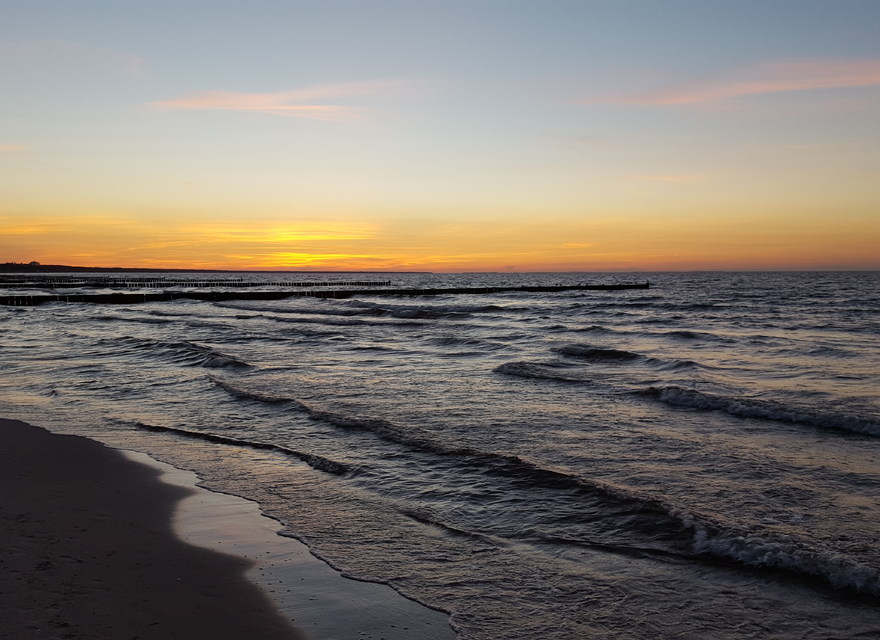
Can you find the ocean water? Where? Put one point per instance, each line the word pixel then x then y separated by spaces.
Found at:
pixel 696 460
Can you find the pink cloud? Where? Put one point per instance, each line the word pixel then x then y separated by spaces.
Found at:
pixel 297 103
pixel 767 78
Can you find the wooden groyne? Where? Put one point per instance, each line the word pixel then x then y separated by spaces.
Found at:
pixel 218 296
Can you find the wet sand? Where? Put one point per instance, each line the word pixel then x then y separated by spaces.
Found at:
pixel 99 544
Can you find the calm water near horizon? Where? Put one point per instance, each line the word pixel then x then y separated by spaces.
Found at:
pixel 696 460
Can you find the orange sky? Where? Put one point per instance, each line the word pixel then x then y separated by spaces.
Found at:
pixel 620 243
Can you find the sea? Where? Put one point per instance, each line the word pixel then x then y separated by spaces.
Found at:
pixel 697 460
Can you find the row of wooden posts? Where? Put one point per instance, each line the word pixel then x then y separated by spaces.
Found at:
pixel 217 296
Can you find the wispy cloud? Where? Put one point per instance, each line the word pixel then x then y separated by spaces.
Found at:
pixel 677 178
pixel 774 77
pixel 578 245
pixel 282 234
pixel 18 226
pixel 311 102
pixel 12 147
pixel 264 236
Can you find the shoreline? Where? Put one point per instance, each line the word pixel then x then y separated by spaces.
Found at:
pixel 99 543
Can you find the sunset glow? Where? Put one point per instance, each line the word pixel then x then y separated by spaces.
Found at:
pixel 445 137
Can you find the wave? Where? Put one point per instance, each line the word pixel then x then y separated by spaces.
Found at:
pixel 136 320
pixel 537 370
pixel 614 356
pixel 644 526
pixel 454 341
pixel 330 320
pixel 425 516
pixel 621 521
pixel 184 352
pixel 353 308
pixel 595 353
pixel 821 351
pixel 677 334
pixel 451 345
pixel 644 515
pixel 315 461
pixel 172 314
pixel 466 459
pixel 628 303
pixel 759 409
pixel 641 526
pixel 788 555
pixel 431 311
pixel 322 308
pixel 383 428
pixel 252 395
pixel 685 334
pixel 597 328
pixel 702 336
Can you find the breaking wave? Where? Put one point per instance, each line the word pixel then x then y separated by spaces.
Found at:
pixel 787 555
pixel 755 408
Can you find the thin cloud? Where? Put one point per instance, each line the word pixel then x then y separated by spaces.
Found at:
pixel 776 77
pixel 284 234
pixel 15 227
pixel 678 178
pixel 12 147
pixel 299 103
pixel 578 245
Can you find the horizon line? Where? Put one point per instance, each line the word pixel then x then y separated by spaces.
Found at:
pixel 31 267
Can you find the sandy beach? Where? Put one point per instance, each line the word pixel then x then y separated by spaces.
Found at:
pixel 96 543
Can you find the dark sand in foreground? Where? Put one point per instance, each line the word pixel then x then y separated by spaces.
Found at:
pixel 87 551
pixel 99 544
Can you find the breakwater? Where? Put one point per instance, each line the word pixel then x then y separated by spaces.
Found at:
pixel 309 290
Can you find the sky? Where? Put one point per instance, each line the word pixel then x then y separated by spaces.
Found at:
pixel 479 135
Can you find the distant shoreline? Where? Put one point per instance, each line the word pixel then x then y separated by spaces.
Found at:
pixel 15 267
